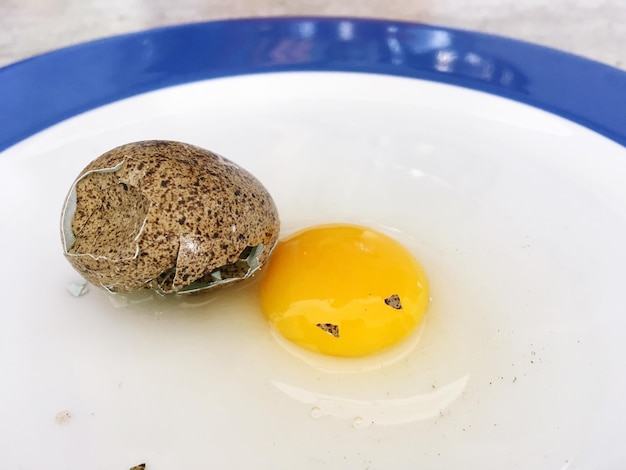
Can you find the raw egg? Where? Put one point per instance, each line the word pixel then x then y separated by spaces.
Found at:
pixel 343 290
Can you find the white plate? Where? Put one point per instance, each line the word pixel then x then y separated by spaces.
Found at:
pixel 517 215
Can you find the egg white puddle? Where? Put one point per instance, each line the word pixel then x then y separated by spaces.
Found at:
pixel 382 412
pixel 517 361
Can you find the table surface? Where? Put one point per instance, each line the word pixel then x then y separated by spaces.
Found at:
pixel 592 28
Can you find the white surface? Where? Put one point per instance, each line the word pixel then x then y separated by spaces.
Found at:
pixel 593 28
pixel 517 216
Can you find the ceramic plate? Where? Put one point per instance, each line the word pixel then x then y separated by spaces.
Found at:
pixel 499 164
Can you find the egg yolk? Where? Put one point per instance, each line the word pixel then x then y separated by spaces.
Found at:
pixel 343 290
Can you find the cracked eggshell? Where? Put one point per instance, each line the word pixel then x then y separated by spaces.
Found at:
pixel 168 216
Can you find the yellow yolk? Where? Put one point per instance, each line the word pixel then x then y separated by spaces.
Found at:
pixel 343 290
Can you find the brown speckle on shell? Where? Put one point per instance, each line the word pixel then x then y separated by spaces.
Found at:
pixel 394 301
pixel 164 215
pixel 329 328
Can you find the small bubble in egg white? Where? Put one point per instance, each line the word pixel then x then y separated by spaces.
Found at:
pixel 360 423
pixel 316 412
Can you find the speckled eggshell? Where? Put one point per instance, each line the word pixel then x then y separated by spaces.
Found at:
pixel 163 214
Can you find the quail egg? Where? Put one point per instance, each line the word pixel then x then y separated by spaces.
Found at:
pixel 167 216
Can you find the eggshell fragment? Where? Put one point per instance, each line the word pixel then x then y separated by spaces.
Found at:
pixel 168 216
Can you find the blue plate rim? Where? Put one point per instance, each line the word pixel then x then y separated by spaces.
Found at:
pixel 46 89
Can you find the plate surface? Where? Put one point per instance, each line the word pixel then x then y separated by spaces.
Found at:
pixel 518 216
